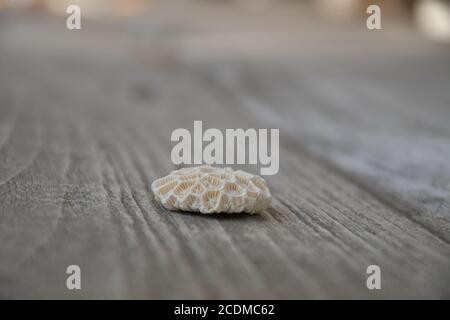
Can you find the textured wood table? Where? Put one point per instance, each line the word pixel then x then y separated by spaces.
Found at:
pixel 85 124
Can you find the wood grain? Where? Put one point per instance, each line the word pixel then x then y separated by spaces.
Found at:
pixel 85 128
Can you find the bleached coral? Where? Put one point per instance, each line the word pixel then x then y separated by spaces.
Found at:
pixel 207 189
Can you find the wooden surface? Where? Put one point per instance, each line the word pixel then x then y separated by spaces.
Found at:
pixel 85 124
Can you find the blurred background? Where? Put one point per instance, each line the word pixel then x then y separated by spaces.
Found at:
pixel 205 30
pixel 431 17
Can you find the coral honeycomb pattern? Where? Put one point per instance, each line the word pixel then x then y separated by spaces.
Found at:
pixel 207 189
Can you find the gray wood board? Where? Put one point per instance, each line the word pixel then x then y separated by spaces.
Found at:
pixel 85 127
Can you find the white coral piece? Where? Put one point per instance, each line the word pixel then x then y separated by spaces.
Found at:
pixel 207 189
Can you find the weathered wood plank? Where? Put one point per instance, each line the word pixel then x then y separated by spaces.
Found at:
pixel 83 137
pixel 389 149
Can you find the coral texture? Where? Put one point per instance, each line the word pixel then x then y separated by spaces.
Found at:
pixel 207 189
